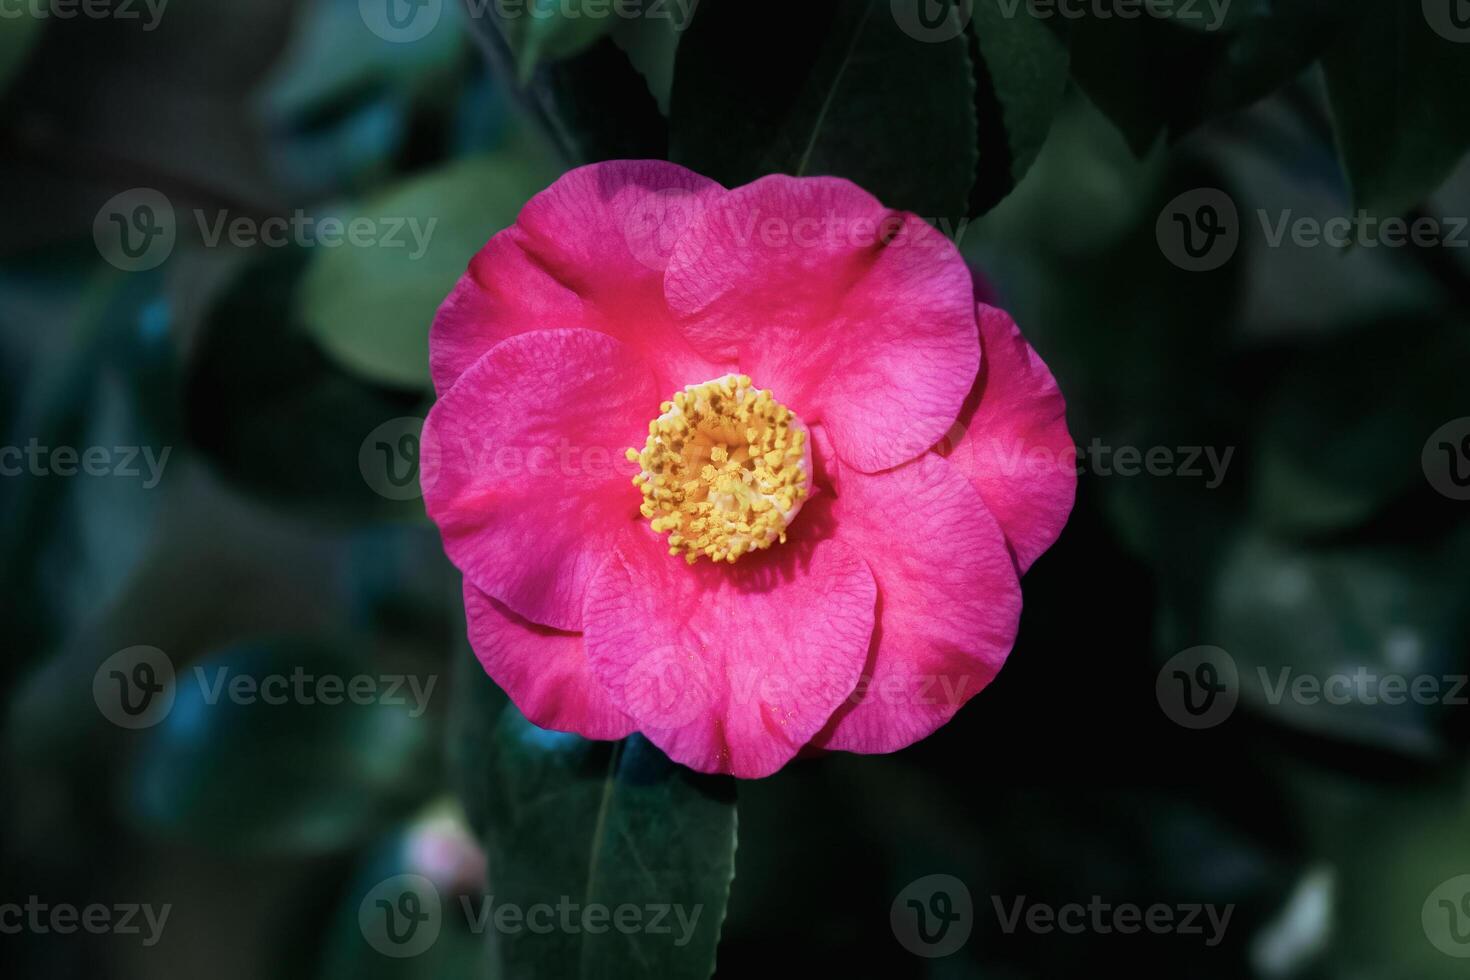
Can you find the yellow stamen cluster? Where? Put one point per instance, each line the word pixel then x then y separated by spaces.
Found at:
pixel 725 469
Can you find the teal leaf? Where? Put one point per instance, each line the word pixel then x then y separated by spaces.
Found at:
pixel 312 773
pixel 538 31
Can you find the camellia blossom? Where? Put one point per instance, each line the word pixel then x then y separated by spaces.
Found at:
pixel 748 471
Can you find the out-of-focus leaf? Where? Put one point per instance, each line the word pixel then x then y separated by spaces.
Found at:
pixel 94 428
pixel 838 89
pixel 1340 428
pixel 275 415
pixel 370 305
pixel 475 706
pixel 333 58
pixel 1283 173
pixel 301 775
pixel 606 824
pixel 1341 621
pixel 19 29
pixel 651 44
pixel 436 858
pixel 1121 63
pixel 538 31
pixel 1020 83
pixel 341 101
pixel 1397 89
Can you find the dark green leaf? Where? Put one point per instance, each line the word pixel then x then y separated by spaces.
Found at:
pixel 19 29
pixel 651 44
pixel 274 415
pixel 838 89
pixel 1285 613
pixel 606 824
pixel 593 106
pixel 1398 98
pixel 1020 82
pixel 1153 77
pixel 1336 409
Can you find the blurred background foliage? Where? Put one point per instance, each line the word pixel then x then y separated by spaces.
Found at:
pixel 1049 149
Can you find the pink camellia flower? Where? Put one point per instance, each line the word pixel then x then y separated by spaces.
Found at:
pixel 728 467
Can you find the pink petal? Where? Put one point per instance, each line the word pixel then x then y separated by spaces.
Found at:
pixel 1012 442
pixel 730 668
pixel 543 671
pixel 523 468
pixel 589 251
pixel 948 607
pixel 855 316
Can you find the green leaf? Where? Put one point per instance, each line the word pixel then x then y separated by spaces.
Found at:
pixel 299 776
pixel 370 306
pixel 1285 613
pixel 1021 69
pixel 538 31
pixel 1337 409
pixel 18 32
pixel 1260 46
pixel 606 824
pixel 838 89
pixel 651 44
pixel 1397 89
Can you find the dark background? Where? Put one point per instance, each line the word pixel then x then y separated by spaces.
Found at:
pixel 1059 152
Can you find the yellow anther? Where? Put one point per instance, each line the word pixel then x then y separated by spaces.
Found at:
pixel 720 497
